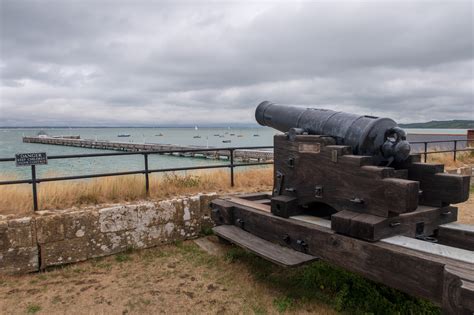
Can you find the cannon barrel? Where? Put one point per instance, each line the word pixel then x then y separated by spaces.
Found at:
pixel 366 135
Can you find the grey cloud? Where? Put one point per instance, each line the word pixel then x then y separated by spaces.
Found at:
pixel 152 62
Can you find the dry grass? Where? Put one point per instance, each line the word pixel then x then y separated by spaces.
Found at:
pixel 462 159
pixel 16 199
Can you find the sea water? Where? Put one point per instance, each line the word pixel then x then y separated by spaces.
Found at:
pixel 11 143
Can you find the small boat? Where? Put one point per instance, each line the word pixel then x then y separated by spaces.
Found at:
pixel 240 136
pixel 197 137
pixel 159 135
pixel 232 134
pixel 226 141
pixel 217 135
pixel 123 135
pixel 42 134
pixel 256 135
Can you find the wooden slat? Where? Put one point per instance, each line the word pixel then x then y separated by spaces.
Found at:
pixel 249 203
pixel 275 253
pixel 313 220
pixel 256 196
pixel 431 248
pixel 456 234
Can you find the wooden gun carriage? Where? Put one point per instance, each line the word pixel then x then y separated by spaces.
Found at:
pixel 347 191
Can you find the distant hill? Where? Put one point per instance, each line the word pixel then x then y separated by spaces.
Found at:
pixel 442 124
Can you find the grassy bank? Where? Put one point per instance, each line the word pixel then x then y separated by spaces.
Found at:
pixel 60 195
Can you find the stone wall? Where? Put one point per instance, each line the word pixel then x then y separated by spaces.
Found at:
pixel 51 238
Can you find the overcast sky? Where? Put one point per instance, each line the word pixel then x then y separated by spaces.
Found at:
pixel 160 63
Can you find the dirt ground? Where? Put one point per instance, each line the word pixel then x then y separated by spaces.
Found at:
pixel 174 279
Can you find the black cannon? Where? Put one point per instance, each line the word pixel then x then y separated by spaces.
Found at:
pixel 346 190
pixel 366 135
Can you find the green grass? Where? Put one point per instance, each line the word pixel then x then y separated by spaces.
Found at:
pixel 33 308
pixel 124 256
pixel 282 304
pixel 343 290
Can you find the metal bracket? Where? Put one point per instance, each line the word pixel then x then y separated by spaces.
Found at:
pixel 240 223
pixel 334 156
pixel 291 162
pixel 279 182
pixel 318 191
pixel 357 200
pixel 302 244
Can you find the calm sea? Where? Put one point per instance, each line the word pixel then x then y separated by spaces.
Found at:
pixel 11 143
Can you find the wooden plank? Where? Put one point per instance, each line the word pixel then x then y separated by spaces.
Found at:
pixel 249 203
pixel 437 187
pixel 256 196
pixel 273 252
pixel 456 234
pixel 356 160
pixel 431 248
pixel 313 220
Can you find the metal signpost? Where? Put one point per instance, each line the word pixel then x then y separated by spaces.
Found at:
pixel 32 159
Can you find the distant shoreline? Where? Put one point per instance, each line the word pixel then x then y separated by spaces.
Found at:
pixel 124 127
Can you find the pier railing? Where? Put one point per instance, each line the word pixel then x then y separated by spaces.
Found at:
pixel 34 180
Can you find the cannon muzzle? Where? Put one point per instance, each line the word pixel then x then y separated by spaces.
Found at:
pixel 366 135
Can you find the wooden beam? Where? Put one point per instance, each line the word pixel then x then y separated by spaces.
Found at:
pixel 456 234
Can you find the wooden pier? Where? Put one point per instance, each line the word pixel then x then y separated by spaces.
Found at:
pixel 239 155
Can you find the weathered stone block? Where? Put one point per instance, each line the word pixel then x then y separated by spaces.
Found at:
pixel 50 228
pixel 21 232
pixel 118 218
pixel 4 241
pixel 151 213
pixel 108 243
pixel 19 260
pixel 63 252
pixel 172 210
pixel 81 224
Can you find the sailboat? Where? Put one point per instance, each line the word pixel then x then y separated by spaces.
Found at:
pixel 196 136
